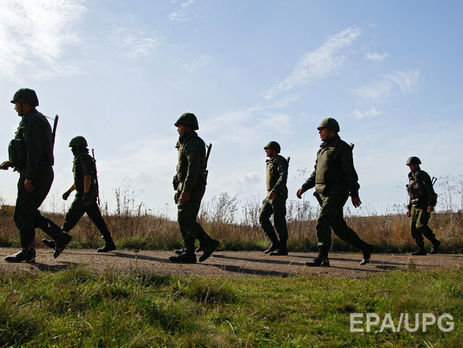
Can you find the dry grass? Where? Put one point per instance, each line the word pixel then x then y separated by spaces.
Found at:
pixel 236 225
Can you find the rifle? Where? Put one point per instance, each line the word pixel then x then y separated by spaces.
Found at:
pixel 208 153
pixel 288 159
pixel 96 178
pixel 433 180
pixel 55 125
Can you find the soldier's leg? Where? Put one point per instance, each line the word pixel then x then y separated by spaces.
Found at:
pixel 94 213
pixel 416 233
pixel 322 227
pixel 186 216
pixel 266 212
pixel 279 218
pixel 423 227
pixel 339 225
pixel 74 214
pixel 26 233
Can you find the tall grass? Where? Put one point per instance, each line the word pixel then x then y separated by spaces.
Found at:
pixel 236 224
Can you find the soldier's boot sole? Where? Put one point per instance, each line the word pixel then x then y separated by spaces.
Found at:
pixel 25 255
pixel 279 253
pixel 212 245
pixel 179 251
pixel 49 243
pixel 419 253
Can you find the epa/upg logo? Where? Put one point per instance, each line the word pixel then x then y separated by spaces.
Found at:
pixel 404 322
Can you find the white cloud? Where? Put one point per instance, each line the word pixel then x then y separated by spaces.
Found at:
pixel 35 32
pixel 182 14
pixel 405 81
pixel 197 64
pixel 367 113
pixel 317 64
pixel 134 43
pixel 375 56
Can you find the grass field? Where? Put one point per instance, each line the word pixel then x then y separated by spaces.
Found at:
pixel 81 307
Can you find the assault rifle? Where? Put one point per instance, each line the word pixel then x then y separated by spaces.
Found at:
pixel 208 153
pixel 96 178
pixel 55 126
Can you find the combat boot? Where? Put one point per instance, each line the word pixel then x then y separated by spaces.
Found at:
pixel 109 246
pixel 435 246
pixel 321 260
pixel 188 256
pixel 25 255
pixel 366 250
pixel 60 243
pixel 180 251
pixel 282 251
pixel 209 249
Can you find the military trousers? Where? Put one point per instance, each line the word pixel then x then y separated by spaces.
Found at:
pixel 419 218
pixel 78 209
pixel 187 213
pixel 330 218
pixel 277 207
pixel 27 216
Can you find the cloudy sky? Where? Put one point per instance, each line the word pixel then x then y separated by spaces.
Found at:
pixel 121 72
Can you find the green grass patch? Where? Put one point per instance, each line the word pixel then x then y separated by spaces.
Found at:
pixel 81 307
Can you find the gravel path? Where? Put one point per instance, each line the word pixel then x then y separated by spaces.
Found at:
pixel 230 263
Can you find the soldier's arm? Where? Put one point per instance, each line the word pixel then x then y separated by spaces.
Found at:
pixel 193 155
pixel 31 135
pixel 310 182
pixel 282 168
pixel 347 163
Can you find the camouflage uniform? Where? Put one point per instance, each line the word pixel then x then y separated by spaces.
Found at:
pixel 334 179
pixel 276 178
pixel 34 132
pixel 422 195
pixel 85 165
pixel 191 177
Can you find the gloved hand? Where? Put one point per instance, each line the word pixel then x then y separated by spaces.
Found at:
pixel 66 195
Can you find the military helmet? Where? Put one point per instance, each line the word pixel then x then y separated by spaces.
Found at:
pixel 413 160
pixel 273 145
pixel 25 96
pixel 329 123
pixel 188 119
pixel 78 141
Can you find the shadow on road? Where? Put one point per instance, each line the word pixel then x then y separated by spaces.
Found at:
pixel 138 257
pixel 278 262
pixel 54 268
pixel 250 271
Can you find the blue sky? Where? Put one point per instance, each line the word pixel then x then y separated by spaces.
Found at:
pixel 121 72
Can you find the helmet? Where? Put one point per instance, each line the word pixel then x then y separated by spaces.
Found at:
pixel 188 119
pixel 413 160
pixel 25 96
pixel 329 123
pixel 78 141
pixel 273 145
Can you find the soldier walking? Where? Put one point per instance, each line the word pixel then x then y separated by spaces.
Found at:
pixel 275 202
pixel 31 154
pixel 334 179
pixel 85 200
pixel 190 189
pixel 421 205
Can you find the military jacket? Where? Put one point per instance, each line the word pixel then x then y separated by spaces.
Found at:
pixel 334 172
pixel 191 166
pixel 420 189
pixel 277 176
pixel 34 132
pixel 84 165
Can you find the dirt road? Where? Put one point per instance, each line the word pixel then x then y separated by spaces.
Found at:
pixel 230 263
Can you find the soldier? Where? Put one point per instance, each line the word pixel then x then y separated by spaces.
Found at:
pixel 85 200
pixel 334 179
pixel 275 202
pixel 422 202
pixel 189 190
pixel 31 153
